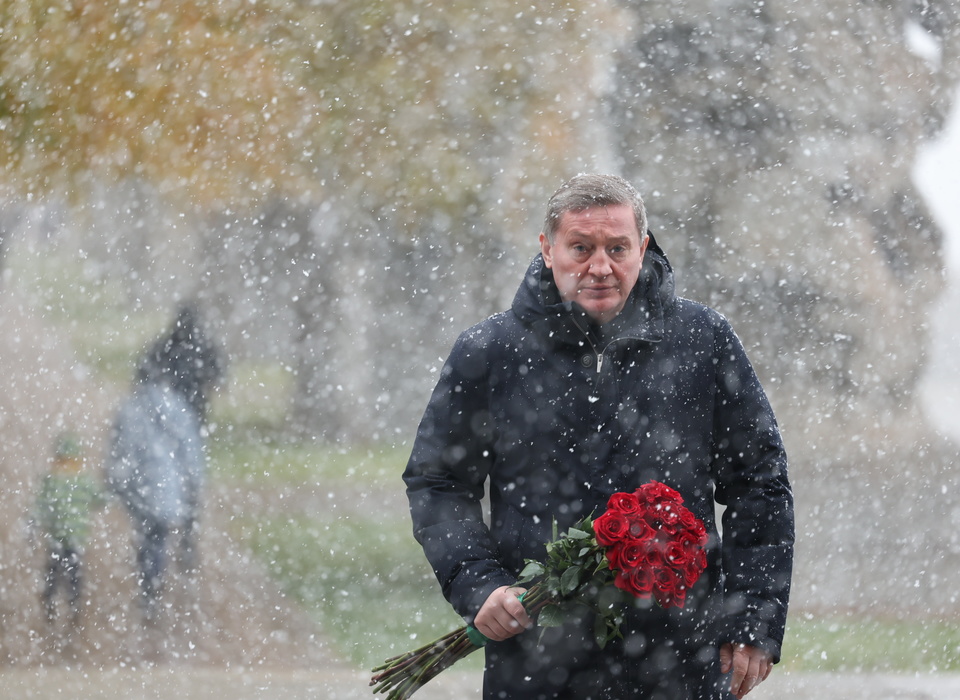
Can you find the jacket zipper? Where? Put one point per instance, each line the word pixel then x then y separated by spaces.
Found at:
pixel 598 353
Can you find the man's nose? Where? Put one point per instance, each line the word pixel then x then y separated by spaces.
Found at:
pixel 600 265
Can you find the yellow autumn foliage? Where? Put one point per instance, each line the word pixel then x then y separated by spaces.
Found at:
pixel 222 102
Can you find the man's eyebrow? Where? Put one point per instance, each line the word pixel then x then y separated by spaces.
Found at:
pixel 581 232
pixel 619 239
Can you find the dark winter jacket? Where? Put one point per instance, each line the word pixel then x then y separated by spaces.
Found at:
pixel 559 413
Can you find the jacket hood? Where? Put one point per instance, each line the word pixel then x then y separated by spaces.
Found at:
pixel 538 304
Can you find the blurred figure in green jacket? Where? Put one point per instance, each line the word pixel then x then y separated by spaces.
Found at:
pixel 67 496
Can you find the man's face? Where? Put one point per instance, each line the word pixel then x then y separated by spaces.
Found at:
pixel 596 257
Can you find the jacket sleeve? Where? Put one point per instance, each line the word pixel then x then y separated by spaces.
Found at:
pixel 750 469
pixel 445 477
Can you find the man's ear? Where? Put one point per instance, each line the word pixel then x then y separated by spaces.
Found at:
pixel 547 250
pixel 643 247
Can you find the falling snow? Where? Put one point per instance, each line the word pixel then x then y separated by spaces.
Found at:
pixel 342 187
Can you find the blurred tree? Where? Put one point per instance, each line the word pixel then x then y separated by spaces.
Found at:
pixel 182 94
pixel 406 104
pixel 437 125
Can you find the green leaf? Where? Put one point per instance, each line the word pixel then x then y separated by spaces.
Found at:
pixel 531 571
pixel 575 534
pixel 550 616
pixel 569 580
pixel 606 627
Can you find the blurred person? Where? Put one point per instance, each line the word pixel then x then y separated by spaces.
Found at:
pixel 64 503
pixel 598 379
pixel 157 460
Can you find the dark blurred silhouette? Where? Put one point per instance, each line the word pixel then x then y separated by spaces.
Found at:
pixel 157 461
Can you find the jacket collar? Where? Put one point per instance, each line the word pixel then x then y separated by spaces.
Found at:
pixel 537 304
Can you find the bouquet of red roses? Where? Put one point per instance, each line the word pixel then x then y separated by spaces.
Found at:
pixel 653 542
pixel 646 543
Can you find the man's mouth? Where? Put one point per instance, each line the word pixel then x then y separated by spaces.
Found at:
pixel 606 289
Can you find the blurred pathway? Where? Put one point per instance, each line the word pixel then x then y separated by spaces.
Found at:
pixel 208 684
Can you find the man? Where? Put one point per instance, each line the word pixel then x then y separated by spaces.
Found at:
pixel 597 380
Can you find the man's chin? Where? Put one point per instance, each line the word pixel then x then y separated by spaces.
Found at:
pixel 601 313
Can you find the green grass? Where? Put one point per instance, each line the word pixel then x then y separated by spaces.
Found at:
pixel 355 567
pixel 858 644
pixel 254 398
pixel 265 458
pixel 365 582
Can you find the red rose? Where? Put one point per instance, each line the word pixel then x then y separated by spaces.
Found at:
pixel 613 556
pixel 689 521
pixel 666 599
pixel 610 528
pixel 637 582
pixel 639 529
pixel 668 589
pixel 690 574
pixel 692 541
pixel 670 514
pixel 655 492
pixel 623 502
pixel 633 554
pixel 676 555
pixel 665 579
pixel 652 518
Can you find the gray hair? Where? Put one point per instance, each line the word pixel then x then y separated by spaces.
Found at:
pixel 588 191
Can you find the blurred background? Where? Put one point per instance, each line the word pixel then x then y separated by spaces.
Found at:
pixel 341 187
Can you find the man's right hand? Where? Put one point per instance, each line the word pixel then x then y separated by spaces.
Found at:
pixel 502 615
